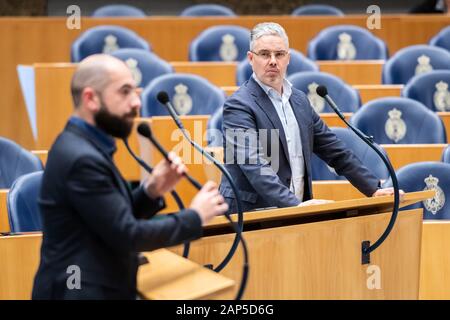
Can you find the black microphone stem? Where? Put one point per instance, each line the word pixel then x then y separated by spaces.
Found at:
pixel 173 193
pixel 366 247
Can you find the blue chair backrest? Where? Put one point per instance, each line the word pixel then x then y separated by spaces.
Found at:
pixel 105 39
pixel 431 89
pixel 298 63
pixel 220 43
pixel 425 176
pixel 207 10
pixel 446 154
pixel 346 42
pixel 442 39
pixel 321 171
pixel 399 120
pixel 214 134
pixel 413 60
pixel 345 96
pixel 190 95
pixel 23 209
pixel 144 65
pixel 118 10
pixel 317 10
pixel 15 161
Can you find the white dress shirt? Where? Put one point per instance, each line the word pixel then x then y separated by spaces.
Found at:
pixel 292 133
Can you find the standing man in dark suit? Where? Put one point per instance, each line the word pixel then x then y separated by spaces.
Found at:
pixel 271 131
pixel 92 222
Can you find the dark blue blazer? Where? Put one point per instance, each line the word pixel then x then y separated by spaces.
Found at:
pixel 250 109
pixel 93 221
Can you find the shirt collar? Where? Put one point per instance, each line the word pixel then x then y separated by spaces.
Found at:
pixel 106 141
pixel 271 92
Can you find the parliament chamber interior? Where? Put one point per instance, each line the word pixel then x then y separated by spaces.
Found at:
pixel 387 67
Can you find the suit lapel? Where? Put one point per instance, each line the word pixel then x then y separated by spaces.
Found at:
pixel 263 101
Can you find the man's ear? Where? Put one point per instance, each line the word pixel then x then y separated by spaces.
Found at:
pixel 250 57
pixel 90 99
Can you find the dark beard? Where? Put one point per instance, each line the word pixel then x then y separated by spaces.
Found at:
pixel 114 125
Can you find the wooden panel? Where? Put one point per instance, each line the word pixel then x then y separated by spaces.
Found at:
pixel 445 117
pixel 403 154
pixel 369 92
pixel 323 260
pixel 19 263
pixel 435 260
pixel 218 73
pixel 4 221
pixel 354 72
pixel 42 154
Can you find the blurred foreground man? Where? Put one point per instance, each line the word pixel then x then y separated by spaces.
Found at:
pixel 92 222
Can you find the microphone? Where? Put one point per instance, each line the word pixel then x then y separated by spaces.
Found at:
pixel 174 194
pixel 144 130
pixel 366 247
pixel 163 98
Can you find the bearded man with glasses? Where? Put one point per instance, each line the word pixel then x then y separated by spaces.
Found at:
pixel 270 132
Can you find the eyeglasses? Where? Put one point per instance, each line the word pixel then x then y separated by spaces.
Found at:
pixel 267 54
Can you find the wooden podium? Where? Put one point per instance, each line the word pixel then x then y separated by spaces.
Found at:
pixel 315 252
pixel 295 253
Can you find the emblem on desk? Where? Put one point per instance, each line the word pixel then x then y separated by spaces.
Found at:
pixel 441 97
pixel 423 65
pixel 135 71
pixel 110 44
pixel 182 101
pixel 346 49
pixel 228 50
pixel 317 102
pixel 395 127
pixel 438 201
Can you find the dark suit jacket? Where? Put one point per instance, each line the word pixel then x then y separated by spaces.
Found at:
pixel 250 109
pixel 93 221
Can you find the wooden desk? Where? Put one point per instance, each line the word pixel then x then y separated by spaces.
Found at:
pixel 4 221
pixel 325 254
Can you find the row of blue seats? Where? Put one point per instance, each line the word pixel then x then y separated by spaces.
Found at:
pixel 231 43
pixel 123 10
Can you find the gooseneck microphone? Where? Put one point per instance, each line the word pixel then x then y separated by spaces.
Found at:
pixel 366 247
pixel 163 98
pixel 173 193
pixel 144 130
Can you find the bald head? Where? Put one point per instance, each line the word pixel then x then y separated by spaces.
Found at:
pixel 95 72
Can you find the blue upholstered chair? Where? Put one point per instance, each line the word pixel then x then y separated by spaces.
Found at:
pixel 23 209
pixel 144 65
pixel 207 10
pixel 424 176
pixel 442 39
pixel 346 42
pixel 214 133
pixel 105 39
pixel 321 171
pixel 190 95
pixel 446 154
pixel 414 60
pixel 344 95
pixel 399 120
pixel 431 89
pixel 298 63
pixel 317 10
pixel 118 10
pixel 220 43
pixel 15 161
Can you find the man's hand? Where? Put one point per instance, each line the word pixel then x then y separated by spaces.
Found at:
pixel 209 202
pixel 388 192
pixel 314 202
pixel 165 176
